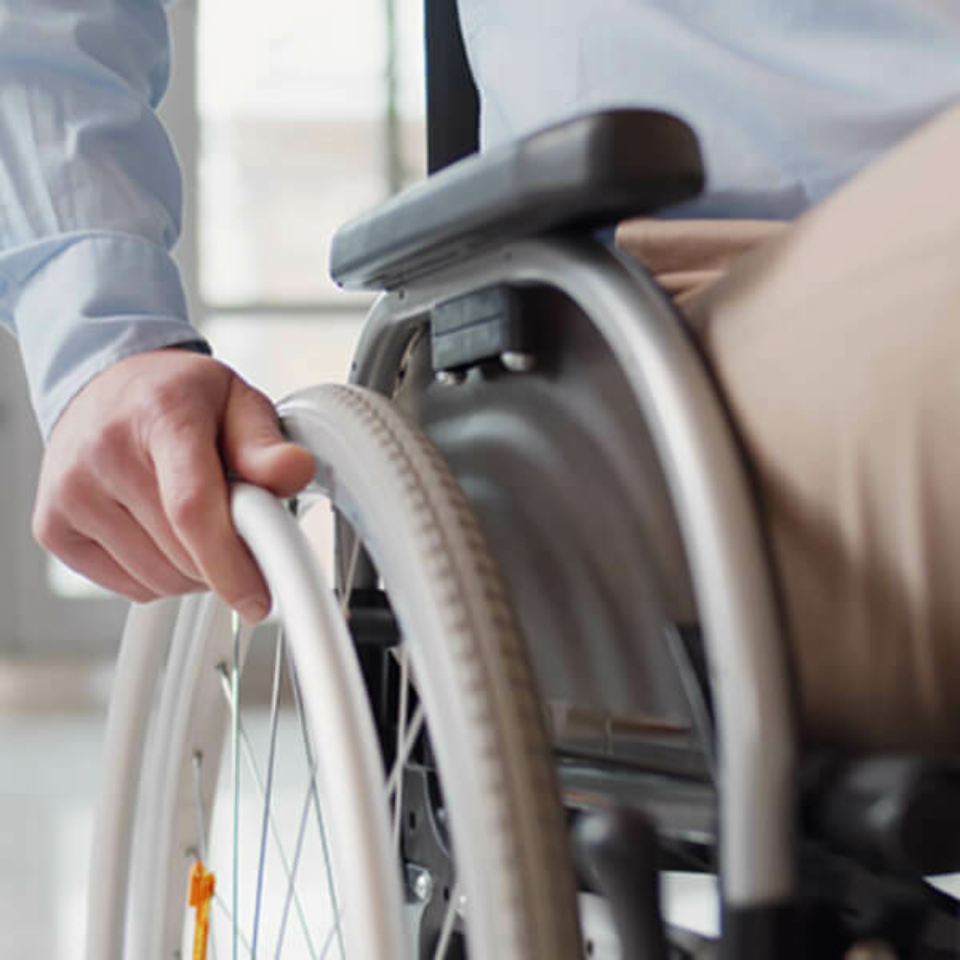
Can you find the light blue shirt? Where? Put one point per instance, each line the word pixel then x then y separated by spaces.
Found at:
pixel 788 97
pixel 90 191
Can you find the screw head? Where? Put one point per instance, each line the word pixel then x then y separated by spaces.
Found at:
pixel 449 378
pixel 422 885
pixel 517 362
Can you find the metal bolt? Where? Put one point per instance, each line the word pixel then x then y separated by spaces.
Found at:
pixel 449 378
pixel 462 904
pixel 517 362
pixel 421 883
pixel 423 886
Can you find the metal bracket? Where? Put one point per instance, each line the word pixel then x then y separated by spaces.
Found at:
pixel 482 325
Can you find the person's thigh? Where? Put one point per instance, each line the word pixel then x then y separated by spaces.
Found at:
pixel 837 345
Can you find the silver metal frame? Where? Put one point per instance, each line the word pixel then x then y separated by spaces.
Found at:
pixel 734 587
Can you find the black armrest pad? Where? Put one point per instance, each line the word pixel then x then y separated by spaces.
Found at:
pixel 587 171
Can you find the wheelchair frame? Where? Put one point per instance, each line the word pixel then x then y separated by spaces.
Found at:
pixel 744 639
pixel 757 740
pixel 746 648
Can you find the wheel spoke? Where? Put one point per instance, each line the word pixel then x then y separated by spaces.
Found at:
pixel 401 759
pixel 347 590
pixel 199 805
pixel 261 790
pixel 301 831
pixel 274 713
pixel 225 910
pixel 449 918
pixel 331 933
pixel 413 731
pixel 311 762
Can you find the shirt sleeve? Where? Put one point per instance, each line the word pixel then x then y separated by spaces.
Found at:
pixel 90 191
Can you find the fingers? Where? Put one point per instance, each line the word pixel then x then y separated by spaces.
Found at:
pixel 99 566
pixel 133 493
pixel 131 564
pixel 136 488
pixel 193 491
pixel 93 562
pixel 254 447
pixel 132 549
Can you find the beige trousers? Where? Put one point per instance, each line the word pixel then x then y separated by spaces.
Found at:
pixel 836 341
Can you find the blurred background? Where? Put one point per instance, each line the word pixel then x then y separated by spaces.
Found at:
pixel 289 117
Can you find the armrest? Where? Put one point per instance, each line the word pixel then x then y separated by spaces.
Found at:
pixel 584 172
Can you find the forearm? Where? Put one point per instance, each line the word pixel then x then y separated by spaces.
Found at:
pixel 90 190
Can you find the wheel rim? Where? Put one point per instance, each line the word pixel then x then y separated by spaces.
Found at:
pixel 349 777
pixel 469 667
pixel 296 924
pixel 528 910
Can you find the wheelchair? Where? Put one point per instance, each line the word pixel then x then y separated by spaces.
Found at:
pixel 551 671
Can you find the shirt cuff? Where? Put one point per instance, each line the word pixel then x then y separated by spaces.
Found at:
pixel 96 302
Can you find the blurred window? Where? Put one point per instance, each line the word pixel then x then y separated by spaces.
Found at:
pixel 310 111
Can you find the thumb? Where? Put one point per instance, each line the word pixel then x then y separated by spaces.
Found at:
pixel 255 449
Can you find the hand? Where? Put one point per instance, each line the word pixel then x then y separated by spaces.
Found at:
pixel 133 493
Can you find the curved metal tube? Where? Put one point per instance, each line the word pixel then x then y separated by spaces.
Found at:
pixel 335 703
pixel 144 646
pixel 746 648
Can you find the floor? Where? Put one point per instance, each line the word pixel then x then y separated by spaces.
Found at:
pixel 51 728
pixel 48 781
pixel 52 723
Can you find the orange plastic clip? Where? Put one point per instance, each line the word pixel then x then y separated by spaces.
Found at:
pixel 202 886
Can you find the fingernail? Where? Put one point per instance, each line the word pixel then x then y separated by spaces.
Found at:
pixel 253 611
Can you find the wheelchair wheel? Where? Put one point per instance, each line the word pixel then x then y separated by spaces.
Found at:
pixel 424 819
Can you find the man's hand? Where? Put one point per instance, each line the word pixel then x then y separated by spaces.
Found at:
pixel 132 490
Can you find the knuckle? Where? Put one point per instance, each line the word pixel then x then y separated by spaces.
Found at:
pixel 174 402
pixel 187 508
pixel 75 493
pixel 110 441
pixel 168 409
pixel 165 400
